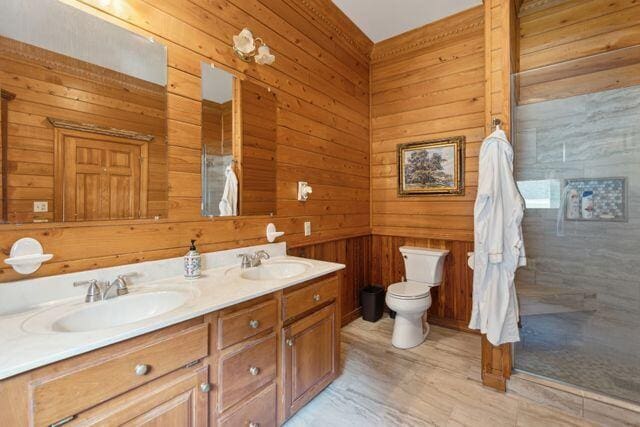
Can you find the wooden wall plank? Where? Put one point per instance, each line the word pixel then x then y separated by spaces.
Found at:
pixel 321 81
pixel 574 47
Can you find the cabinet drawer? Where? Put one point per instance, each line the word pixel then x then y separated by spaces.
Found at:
pixel 245 371
pixel 259 410
pixel 313 295
pixel 70 392
pixel 237 327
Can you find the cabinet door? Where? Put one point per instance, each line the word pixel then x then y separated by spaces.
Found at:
pixel 310 357
pixel 175 400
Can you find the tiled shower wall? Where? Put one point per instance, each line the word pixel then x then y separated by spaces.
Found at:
pixel 591 275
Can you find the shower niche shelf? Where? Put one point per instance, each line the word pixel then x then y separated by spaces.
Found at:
pixel 609 198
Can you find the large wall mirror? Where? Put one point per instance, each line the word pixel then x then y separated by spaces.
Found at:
pixel 83 123
pixel 239 122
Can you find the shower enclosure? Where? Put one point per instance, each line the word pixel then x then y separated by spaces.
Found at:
pixel 577 143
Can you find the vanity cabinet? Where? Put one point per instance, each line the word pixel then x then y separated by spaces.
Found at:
pixel 162 375
pixel 310 350
pixel 252 364
pixel 175 400
pixel 310 357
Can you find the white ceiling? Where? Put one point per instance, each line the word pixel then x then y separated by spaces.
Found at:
pixel 381 19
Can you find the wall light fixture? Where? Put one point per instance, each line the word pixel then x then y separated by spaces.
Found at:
pixel 249 48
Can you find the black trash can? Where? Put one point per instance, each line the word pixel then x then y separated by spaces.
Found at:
pixel 372 300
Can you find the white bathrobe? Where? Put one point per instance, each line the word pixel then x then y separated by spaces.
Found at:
pixel 499 248
pixel 229 203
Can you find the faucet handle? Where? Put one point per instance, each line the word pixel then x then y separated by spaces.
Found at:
pixel 94 293
pixel 91 282
pixel 246 260
pixel 121 283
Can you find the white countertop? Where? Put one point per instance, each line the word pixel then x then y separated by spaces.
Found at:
pixel 22 349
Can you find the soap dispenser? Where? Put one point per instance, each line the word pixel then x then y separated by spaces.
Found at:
pixel 192 262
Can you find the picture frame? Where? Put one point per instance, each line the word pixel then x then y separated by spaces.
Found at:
pixel 433 167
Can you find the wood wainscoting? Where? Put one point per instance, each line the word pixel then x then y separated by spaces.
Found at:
pixel 355 253
pixel 451 306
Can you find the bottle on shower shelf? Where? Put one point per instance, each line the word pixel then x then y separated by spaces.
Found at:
pixel 587 204
pixel 573 204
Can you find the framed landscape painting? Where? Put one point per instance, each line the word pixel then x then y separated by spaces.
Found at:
pixel 431 167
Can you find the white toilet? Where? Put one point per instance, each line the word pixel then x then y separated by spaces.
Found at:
pixel 411 299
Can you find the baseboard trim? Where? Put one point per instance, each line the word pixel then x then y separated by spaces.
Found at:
pixel 350 317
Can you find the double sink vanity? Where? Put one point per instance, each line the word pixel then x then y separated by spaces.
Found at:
pixel 241 346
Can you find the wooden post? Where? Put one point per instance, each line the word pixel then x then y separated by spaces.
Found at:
pixel 501 56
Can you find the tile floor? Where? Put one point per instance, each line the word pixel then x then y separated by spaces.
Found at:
pixel 436 383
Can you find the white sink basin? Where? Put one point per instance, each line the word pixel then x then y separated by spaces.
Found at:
pixel 122 310
pixel 275 270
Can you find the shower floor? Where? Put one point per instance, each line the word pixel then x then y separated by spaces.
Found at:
pixel 552 345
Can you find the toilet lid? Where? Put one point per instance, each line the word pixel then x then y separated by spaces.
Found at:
pixel 408 290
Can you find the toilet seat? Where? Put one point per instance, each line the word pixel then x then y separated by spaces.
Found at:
pixel 409 290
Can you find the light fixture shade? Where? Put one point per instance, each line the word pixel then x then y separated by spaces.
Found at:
pixel 264 56
pixel 244 42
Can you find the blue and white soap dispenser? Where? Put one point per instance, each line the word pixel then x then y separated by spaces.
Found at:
pixel 192 262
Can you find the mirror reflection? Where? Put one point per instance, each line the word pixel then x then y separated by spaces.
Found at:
pixel 83 121
pixel 238 146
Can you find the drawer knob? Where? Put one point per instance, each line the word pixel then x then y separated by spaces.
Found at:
pixel 205 387
pixel 316 297
pixel 290 342
pixel 252 424
pixel 254 370
pixel 254 324
pixel 142 369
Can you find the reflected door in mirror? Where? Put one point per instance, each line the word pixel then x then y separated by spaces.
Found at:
pixel 104 178
pixel 109 97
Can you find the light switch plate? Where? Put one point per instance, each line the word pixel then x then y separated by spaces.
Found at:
pixel 41 206
pixel 307 228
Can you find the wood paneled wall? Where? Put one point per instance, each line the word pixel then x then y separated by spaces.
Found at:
pixel 321 77
pixel 451 306
pixel 217 127
pixel 259 150
pixel 566 47
pixel 47 84
pixel 425 84
pixel 355 253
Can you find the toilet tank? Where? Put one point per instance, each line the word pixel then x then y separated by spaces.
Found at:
pixel 424 265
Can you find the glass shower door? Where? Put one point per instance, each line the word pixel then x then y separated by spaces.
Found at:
pixel 577 145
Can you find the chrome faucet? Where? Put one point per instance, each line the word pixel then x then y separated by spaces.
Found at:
pixel 94 292
pixel 254 260
pixel 98 291
pixel 259 256
pixel 119 285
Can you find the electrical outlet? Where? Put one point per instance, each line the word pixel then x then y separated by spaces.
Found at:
pixel 307 228
pixel 41 206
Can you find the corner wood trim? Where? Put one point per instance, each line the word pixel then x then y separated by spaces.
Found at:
pixel 87 127
pixel 469 27
pixel 313 11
